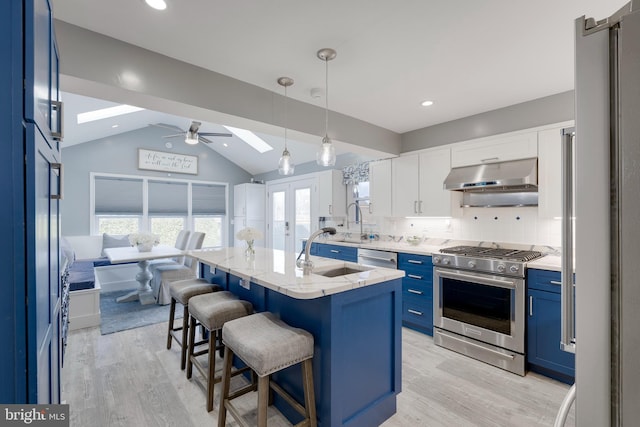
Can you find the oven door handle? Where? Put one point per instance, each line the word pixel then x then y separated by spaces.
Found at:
pixel 508 284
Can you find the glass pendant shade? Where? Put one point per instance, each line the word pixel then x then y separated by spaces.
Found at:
pixel 327 154
pixel 285 165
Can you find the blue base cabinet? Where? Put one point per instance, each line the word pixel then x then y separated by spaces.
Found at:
pixel 417 292
pixel 357 350
pixel 343 253
pixel 543 328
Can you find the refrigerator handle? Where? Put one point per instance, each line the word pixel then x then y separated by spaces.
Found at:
pixel 567 336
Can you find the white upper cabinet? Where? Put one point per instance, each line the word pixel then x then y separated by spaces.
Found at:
pixel 332 194
pixel 380 188
pixel 249 201
pixel 405 185
pixel 417 182
pixel 491 150
pixel 550 173
pixel 434 199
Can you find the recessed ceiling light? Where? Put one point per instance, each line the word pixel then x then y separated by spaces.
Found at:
pixel 114 126
pixel 225 144
pixel 250 138
pixel 105 113
pixel 157 4
pixel 426 103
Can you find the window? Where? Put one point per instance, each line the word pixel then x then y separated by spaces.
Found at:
pixel 127 204
pixel 118 204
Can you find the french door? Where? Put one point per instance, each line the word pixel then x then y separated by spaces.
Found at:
pixel 290 214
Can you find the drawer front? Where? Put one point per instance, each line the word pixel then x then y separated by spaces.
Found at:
pixel 418 312
pixel 344 253
pixel 411 261
pixel 544 280
pixel 417 288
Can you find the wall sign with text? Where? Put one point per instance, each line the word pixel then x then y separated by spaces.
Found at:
pixel 167 162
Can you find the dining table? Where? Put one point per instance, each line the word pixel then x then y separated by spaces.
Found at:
pixel 130 254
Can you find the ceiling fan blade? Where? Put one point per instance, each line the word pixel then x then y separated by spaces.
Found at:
pixel 205 140
pixel 175 135
pixel 214 134
pixel 165 126
pixel 194 126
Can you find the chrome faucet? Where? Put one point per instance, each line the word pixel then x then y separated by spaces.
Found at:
pixel 359 211
pixel 307 264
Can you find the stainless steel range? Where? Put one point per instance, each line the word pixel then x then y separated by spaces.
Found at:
pixel 479 303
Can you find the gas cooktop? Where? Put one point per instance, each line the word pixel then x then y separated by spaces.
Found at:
pixel 496 253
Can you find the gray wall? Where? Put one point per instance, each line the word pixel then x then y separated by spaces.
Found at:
pixel 309 167
pixel 542 111
pixel 119 154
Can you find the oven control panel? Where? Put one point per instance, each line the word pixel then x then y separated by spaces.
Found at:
pixel 485 265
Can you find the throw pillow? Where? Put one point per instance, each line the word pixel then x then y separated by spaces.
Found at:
pixel 111 241
pixel 66 252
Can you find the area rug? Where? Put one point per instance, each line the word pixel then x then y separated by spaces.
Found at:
pixel 120 316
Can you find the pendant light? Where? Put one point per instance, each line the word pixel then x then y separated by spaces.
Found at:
pixel 327 154
pixel 285 165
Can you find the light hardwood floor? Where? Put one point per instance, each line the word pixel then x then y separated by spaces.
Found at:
pixel 130 379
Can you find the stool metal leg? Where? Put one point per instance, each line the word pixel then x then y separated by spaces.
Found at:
pixel 172 315
pixel 184 343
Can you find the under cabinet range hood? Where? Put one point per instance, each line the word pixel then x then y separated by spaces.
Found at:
pixel 510 183
pixel 514 175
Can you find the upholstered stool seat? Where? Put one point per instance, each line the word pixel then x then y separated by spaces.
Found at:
pixel 267 344
pixel 181 292
pixel 212 311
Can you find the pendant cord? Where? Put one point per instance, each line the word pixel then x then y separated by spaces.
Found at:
pixel 326 98
pixel 285 118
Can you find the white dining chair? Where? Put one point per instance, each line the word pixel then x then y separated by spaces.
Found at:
pixel 164 274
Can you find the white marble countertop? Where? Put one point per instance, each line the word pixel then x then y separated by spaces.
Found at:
pixel 547 262
pixel 276 270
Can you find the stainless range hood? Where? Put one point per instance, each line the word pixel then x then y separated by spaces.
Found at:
pixel 511 183
pixel 514 175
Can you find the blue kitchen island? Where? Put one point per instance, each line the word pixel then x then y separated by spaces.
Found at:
pixel 355 319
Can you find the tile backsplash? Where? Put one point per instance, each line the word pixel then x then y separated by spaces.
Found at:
pixel 507 225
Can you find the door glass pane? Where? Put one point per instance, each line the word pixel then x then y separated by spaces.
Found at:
pixel 303 216
pixel 278 215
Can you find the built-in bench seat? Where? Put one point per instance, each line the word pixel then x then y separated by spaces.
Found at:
pixel 90 273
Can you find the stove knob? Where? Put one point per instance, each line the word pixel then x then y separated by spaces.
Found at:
pixel 436 259
pixel 501 268
pixel 446 261
pixel 514 268
pixel 472 264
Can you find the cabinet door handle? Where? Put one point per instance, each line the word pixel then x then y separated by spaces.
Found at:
pixel 333 251
pixel 489 159
pixel 530 306
pixel 415 206
pixel 414 276
pixel 370 207
pixel 420 206
pixel 416 312
pixel 414 261
pixel 58 107
pixel 60 168
pixel 330 209
pixel 413 291
pixel 555 282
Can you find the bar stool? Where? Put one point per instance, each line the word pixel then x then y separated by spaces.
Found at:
pixel 182 291
pixel 267 345
pixel 212 311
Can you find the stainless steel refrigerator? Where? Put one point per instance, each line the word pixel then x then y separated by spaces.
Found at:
pixel 607 221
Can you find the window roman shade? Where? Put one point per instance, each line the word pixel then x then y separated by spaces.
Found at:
pixel 168 198
pixel 208 199
pixel 118 196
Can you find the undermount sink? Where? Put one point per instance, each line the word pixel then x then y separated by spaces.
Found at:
pixel 341 271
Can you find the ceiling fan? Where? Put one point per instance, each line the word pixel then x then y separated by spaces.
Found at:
pixel 191 135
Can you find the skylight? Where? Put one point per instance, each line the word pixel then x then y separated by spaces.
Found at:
pixel 250 138
pixel 105 113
